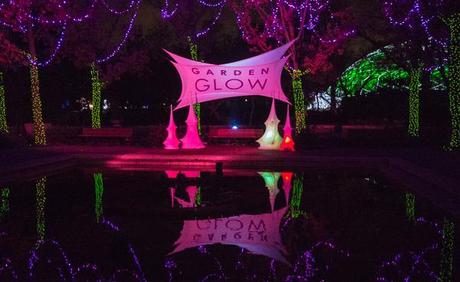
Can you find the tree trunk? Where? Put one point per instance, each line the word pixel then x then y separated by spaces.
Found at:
pixel 3 121
pixel 413 128
pixel 194 55
pixel 299 102
pixel 37 112
pixel 334 100
pixel 96 86
pixel 454 80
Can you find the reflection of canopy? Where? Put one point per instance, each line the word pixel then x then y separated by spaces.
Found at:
pixel 259 234
pixel 251 80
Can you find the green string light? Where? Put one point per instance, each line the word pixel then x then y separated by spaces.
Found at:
pixel 99 191
pixel 410 206
pixel 3 123
pixel 40 195
pixel 4 203
pixel 96 85
pixel 300 112
pixel 453 23
pixel 447 251
pixel 413 128
pixel 194 55
pixel 37 112
pixel 295 203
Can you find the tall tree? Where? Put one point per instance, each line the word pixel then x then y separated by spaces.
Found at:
pixel 420 48
pixel 319 33
pixel 99 45
pixel 33 21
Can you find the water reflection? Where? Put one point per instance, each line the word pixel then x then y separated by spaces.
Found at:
pixel 290 238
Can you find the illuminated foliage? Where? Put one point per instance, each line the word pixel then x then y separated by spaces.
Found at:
pixel 96 85
pixel 295 202
pixel 453 23
pixel 3 123
pixel 4 201
pixel 369 74
pixel 410 206
pixel 194 55
pixel 447 251
pixel 414 102
pixel 37 115
pixel 99 191
pixel 40 195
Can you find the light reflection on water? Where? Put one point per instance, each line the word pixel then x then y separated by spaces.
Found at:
pixel 206 237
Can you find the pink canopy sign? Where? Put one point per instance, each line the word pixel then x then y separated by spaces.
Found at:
pixel 259 75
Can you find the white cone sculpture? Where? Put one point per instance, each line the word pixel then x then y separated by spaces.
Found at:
pixel 271 138
pixel 271 182
pixel 192 139
pixel 171 142
pixel 288 143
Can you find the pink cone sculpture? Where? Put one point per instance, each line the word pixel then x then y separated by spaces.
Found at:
pixel 171 142
pixel 192 139
pixel 271 138
pixel 288 143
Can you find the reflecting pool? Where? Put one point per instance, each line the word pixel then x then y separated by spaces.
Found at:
pixel 91 224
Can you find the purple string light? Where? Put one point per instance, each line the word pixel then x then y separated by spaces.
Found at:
pixel 119 12
pixel 111 54
pixel 22 20
pixel 414 15
pixel 167 12
pixel 58 46
pixel 207 29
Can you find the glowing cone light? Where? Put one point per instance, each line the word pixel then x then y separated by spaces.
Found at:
pixel 287 184
pixel 192 139
pixel 288 143
pixel 172 193
pixel 271 182
pixel 271 139
pixel 171 142
pixel 192 191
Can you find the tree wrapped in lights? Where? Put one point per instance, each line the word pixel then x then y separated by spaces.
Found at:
pixel 194 55
pixel 4 201
pixel 106 33
pixel 96 85
pixel 99 191
pixel 3 122
pixel 49 22
pixel 33 20
pixel 453 22
pixel 265 24
pixel 40 196
pixel 422 50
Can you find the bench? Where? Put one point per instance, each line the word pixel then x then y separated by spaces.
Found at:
pixel 235 134
pixel 123 134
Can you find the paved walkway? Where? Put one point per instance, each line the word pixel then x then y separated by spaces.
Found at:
pixel 431 171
